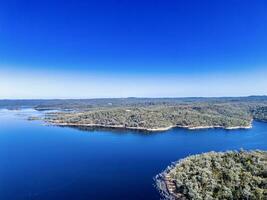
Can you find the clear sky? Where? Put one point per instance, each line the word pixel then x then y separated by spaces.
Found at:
pixel 120 48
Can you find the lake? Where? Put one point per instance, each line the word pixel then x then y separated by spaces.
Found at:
pixel 47 162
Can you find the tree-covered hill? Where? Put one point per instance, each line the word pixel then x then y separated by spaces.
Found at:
pixel 151 113
pixel 160 117
pixel 210 176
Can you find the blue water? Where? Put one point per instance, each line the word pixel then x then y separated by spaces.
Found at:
pixel 45 162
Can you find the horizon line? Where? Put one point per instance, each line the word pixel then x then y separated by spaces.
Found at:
pixel 184 97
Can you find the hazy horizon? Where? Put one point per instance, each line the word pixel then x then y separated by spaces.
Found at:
pixel 182 97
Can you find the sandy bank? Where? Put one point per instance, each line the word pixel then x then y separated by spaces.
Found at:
pixel 147 129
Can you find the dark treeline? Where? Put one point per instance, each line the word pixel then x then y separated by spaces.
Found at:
pixel 83 104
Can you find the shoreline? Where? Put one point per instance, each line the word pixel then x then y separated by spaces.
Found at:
pixel 147 129
pixel 166 185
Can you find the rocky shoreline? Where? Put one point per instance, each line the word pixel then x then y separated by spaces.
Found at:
pixel 166 185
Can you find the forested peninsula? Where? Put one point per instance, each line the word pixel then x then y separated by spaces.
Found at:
pixel 150 114
pixel 163 115
pixel 158 118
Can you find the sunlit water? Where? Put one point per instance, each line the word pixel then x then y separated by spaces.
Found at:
pixel 45 162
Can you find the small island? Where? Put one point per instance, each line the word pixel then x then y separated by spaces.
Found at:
pixel 229 175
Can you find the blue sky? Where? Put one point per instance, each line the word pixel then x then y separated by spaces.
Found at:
pixel 86 49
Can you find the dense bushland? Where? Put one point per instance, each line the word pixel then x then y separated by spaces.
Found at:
pixel 152 117
pixel 229 175
pixel 152 113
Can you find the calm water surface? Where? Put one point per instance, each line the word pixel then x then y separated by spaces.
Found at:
pixel 44 162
